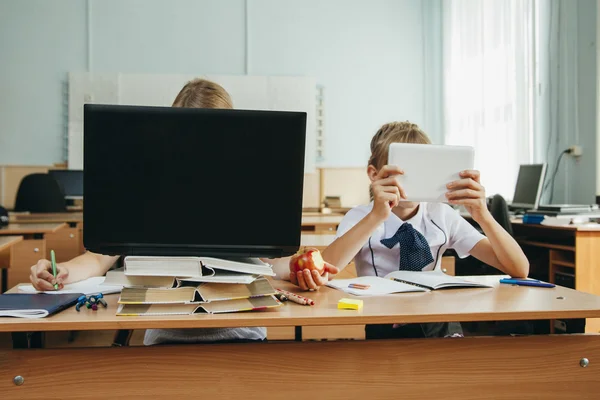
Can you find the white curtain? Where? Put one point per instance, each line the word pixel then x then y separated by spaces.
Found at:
pixel 489 85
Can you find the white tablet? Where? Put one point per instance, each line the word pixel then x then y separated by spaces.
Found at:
pixel 428 168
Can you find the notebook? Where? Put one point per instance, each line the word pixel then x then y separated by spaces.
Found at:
pixel 118 278
pixel 217 307
pixel 429 168
pixel 377 286
pixel 191 266
pixel 203 293
pixel 432 280
pixel 39 305
pixel 88 287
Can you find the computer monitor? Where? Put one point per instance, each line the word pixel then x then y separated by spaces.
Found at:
pixel 528 189
pixel 70 181
pixel 183 182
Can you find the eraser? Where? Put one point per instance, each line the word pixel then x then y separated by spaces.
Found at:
pixel 350 304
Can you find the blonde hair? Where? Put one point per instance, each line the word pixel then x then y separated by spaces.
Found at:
pixel 394 132
pixel 200 93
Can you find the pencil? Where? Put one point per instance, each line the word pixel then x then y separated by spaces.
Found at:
pixel 297 298
pixel 53 260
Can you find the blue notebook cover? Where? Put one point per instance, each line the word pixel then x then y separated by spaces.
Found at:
pixel 38 305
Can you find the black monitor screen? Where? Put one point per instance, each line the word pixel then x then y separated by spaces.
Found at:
pixel 181 181
pixel 70 181
pixel 529 185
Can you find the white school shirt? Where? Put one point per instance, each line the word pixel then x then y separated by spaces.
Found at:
pixel 442 227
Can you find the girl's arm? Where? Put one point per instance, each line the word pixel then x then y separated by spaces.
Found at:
pixel 79 268
pixel 387 193
pixel 499 250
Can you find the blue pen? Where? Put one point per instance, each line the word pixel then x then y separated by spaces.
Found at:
pixel 527 282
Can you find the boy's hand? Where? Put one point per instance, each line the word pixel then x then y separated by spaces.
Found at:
pixel 42 279
pixel 312 280
pixel 468 192
pixel 387 192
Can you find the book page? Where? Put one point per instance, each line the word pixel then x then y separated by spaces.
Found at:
pixel 432 279
pixel 88 287
pixel 378 286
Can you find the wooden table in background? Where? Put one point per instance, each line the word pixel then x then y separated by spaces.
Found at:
pixel 534 367
pixel 570 252
pixel 72 243
pixel 38 240
pixel 6 257
pixel 321 223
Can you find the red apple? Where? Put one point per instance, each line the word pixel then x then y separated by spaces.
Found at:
pixel 307 258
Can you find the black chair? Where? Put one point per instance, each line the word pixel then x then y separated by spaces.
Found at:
pixel 499 210
pixel 40 193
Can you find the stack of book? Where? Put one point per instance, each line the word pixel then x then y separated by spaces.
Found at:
pixel 190 285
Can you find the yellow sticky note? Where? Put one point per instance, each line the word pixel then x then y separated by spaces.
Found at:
pixel 350 304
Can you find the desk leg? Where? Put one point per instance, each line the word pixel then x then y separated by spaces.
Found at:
pixel 4 286
pixel 37 340
pixel 28 340
pixel 534 367
pixel 20 340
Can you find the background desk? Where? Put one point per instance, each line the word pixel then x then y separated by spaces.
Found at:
pixel 6 258
pixel 471 368
pixel 566 255
pixel 321 223
pixel 71 244
pixel 38 240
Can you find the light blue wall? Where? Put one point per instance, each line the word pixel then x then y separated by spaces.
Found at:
pixel 369 55
pixel 39 42
pixel 159 36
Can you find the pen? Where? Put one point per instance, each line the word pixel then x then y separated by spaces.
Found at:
pixel 527 282
pixel 53 260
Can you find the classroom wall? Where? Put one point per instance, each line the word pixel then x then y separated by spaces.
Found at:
pixel 369 55
pixel 39 41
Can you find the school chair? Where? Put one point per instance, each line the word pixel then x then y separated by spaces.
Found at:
pixel 40 193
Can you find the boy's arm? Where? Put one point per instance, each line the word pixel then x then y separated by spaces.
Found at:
pixel 79 268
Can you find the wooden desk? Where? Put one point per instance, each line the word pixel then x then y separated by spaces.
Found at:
pixel 469 368
pixel 6 258
pixel 38 240
pixel 564 253
pixel 70 244
pixel 28 218
pixel 321 224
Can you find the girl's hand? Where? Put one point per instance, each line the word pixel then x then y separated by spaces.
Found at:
pixel 468 192
pixel 312 280
pixel 42 279
pixel 387 192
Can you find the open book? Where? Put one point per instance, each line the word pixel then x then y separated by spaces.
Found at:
pixel 402 282
pixel 191 266
pixel 377 286
pixel 93 285
pixel 203 293
pixel 118 278
pixel 217 307
pixel 432 280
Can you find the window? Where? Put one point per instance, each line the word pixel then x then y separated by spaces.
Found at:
pixel 489 85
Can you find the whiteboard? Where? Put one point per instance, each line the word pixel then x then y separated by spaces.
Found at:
pixel 279 93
